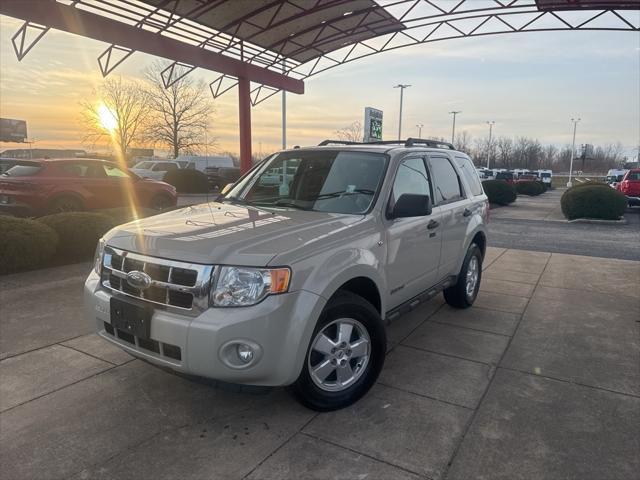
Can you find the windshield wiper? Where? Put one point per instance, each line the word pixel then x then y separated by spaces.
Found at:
pixel 289 205
pixel 364 191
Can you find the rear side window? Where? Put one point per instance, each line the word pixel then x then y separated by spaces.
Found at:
pixel 80 170
pixel 471 176
pixel 165 167
pixel 633 176
pixel 445 180
pixel 23 170
pixel 412 177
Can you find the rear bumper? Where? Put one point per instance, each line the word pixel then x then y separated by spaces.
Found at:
pixel 280 328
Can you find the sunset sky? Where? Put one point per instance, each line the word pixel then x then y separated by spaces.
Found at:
pixel 529 84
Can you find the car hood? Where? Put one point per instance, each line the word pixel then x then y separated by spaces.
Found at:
pixel 221 233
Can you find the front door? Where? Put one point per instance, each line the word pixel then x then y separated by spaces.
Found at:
pixel 413 243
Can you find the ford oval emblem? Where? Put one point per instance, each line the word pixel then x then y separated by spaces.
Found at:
pixel 138 279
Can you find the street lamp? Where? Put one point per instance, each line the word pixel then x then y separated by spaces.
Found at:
pixel 420 125
pixel 401 86
pixel 453 130
pixel 573 149
pixel 491 124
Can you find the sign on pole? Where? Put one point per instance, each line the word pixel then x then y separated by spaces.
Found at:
pixel 372 124
pixel 13 130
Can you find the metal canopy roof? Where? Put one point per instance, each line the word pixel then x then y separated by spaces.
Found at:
pixel 295 29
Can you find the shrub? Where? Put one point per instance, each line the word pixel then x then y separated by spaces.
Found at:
pixel 122 215
pixel 590 184
pixel 530 188
pixel 78 232
pixel 188 181
pixel 25 244
pixel 499 192
pixel 593 201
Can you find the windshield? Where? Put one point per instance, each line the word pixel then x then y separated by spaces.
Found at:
pixel 322 181
pixel 23 170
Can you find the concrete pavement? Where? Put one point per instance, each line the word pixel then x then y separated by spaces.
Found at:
pixel 539 380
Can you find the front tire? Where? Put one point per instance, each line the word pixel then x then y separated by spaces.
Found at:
pixel 345 355
pixel 465 291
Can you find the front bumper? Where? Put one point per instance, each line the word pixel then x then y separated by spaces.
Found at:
pixel 280 326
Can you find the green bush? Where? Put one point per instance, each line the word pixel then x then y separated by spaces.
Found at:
pixel 499 192
pixel 530 188
pixel 122 215
pixel 590 184
pixel 593 201
pixel 188 181
pixel 25 244
pixel 78 232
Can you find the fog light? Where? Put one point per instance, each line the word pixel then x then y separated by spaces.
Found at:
pixel 245 352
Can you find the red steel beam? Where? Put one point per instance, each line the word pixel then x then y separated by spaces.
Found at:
pixel 80 22
pixel 244 104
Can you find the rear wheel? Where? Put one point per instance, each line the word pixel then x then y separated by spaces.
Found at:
pixel 65 203
pixel 345 355
pixel 465 291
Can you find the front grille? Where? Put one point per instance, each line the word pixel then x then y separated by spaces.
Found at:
pixel 160 348
pixel 175 285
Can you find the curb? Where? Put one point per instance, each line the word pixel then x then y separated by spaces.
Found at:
pixel 599 221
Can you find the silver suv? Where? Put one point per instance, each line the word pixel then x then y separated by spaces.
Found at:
pixel 291 276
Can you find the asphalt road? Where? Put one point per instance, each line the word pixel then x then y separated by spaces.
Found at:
pixel 608 241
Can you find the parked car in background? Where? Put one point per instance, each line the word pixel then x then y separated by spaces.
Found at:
pixel 630 186
pixel 526 178
pixel 39 187
pixel 506 176
pixel 155 169
pixel 615 176
pixel 220 170
pixel 545 176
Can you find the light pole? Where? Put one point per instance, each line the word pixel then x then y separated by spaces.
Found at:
pixel 401 86
pixel 453 130
pixel 573 149
pixel 284 111
pixel 491 124
pixel 420 125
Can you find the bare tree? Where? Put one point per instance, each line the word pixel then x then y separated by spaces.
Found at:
pixel 463 141
pixel 119 116
pixel 353 132
pixel 504 156
pixel 180 114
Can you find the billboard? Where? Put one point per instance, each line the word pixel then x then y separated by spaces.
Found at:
pixel 372 124
pixel 13 130
pixel 548 5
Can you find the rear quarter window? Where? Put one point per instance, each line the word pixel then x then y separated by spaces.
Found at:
pixel 470 175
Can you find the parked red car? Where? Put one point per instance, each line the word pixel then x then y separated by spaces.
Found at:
pixel 38 187
pixel 630 186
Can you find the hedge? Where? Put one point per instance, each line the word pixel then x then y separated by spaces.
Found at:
pixel 24 244
pixel 499 192
pixel 78 233
pixel 187 181
pixel 530 188
pixel 122 215
pixel 593 201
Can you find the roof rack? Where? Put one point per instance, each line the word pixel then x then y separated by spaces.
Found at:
pixel 409 142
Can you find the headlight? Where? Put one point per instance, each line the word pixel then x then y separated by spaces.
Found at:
pixel 243 286
pixel 97 260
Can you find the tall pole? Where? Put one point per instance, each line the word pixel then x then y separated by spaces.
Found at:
pixel 491 124
pixel 284 111
pixel 244 104
pixel 420 125
pixel 453 130
pixel 401 86
pixel 573 149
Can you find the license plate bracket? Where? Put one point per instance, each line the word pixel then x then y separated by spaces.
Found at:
pixel 130 318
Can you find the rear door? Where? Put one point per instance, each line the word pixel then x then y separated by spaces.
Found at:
pixel 455 209
pixel 413 244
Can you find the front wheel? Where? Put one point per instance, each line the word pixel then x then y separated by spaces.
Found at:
pixel 161 202
pixel 465 291
pixel 345 355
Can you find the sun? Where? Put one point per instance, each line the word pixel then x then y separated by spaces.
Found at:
pixel 107 118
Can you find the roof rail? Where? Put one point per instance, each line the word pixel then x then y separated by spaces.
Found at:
pixel 409 142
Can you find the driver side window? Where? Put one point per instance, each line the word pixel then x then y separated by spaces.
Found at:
pixel 412 177
pixel 113 171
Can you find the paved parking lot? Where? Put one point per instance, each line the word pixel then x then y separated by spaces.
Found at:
pixel 541 379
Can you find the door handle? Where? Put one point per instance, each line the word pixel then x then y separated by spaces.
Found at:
pixel 433 224
pixel 466 212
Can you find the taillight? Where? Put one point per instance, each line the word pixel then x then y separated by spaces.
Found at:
pixel 624 186
pixel 487 209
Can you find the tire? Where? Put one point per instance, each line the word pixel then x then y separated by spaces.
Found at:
pixel 458 295
pixel 160 202
pixel 66 203
pixel 366 324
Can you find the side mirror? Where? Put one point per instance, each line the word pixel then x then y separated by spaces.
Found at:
pixel 226 188
pixel 412 205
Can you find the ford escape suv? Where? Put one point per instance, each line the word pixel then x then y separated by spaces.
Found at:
pixel 290 278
